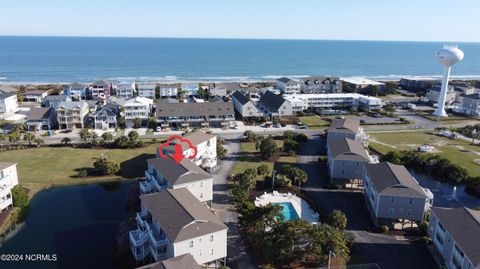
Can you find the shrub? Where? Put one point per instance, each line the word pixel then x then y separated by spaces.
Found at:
pixel 423 227
pixel 384 228
pixel 19 196
pixel 337 219
pixel 105 167
pixel 322 159
pixel 82 173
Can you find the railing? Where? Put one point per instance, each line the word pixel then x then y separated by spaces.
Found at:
pixel 138 237
pixel 157 256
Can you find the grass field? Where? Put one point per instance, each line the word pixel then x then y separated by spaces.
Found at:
pixel 249 147
pixel 457 151
pixel 313 121
pixel 47 166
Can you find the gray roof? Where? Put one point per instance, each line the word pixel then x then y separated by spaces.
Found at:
pixel 168 100
pixel 347 149
pixel 240 97
pixel 4 95
pixel 178 173
pixel 77 85
pixel 70 105
pixel 392 179
pixel 106 110
pixel 185 261
pixel 116 100
pixel 39 113
pixel 146 86
pixel 272 101
pixel 4 165
pixel 475 96
pixel 198 137
pixel 56 98
pixel 346 125
pixel 180 215
pixel 321 79
pixel 463 224
pixel 286 80
pixel 7 88
pixel 194 109
pixel 102 83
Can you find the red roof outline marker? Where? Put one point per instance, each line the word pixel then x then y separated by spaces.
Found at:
pixel 177 156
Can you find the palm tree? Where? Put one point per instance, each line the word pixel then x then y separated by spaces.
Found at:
pixel 38 141
pixel 14 137
pixel 85 134
pixel 29 137
pixel 107 137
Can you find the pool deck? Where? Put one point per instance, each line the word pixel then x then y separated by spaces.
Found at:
pixel 301 206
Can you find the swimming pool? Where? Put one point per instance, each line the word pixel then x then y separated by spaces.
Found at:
pixel 288 211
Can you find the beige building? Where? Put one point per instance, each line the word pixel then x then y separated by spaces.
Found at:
pixel 72 115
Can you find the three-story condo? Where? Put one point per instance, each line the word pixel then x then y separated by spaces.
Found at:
pixel 172 223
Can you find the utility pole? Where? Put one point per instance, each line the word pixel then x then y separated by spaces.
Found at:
pixel 330 255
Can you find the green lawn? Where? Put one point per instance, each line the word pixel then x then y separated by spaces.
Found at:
pixel 249 147
pixel 313 121
pixel 57 166
pixel 457 151
pixel 252 162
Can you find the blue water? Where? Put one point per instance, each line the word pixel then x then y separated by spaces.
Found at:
pixel 79 224
pixel 85 59
pixel 288 211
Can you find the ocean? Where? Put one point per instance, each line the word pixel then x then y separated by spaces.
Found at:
pixel 86 59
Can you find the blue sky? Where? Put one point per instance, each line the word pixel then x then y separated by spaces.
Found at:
pixel 429 20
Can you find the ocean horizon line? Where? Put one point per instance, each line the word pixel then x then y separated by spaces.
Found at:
pixel 242 38
pixel 226 79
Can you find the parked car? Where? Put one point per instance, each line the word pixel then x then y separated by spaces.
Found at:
pixel 302 127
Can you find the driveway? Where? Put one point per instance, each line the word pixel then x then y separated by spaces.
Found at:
pixel 388 251
pixel 237 255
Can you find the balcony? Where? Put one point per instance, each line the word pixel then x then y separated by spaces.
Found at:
pixel 138 237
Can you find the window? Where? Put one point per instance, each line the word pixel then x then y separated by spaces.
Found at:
pixel 392 200
pixel 391 211
pixel 201 195
pixel 211 251
pixel 409 212
pixel 201 184
pixel 200 240
pixel 211 238
pixel 201 254
pixel 191 244
pixel 410 201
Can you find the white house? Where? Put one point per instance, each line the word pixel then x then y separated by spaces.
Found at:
pixel 172 223
pixel 288 86
pixel 393 194
pixel 455 236
pixel 206 145
pixel 125 90
pixel 471 104
pixel 245 106
pixel 34 96
pixel 138 107
pixel 40 118
pixel 8 103
pixel 166 173
pixel 146 90
pixel 168 90
pixel 8 180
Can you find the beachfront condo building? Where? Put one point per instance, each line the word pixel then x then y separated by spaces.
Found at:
pixel 8 180
pixel 454 233
pixel 471 104
pixel 324 102
pixel 288 86
pixel 166 173
pixel 125 90
pixel 169 90
pixel 393 195
pixel 173 223
pixel 76 91
pixel 311 85
pixel 146 90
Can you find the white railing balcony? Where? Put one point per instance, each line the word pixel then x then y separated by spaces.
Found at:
pixel 145 187
pixel 157 240
pixel 138 238
pixel 141 223
pixel 157 256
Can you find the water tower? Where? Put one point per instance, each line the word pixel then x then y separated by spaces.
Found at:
pixel 447 57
